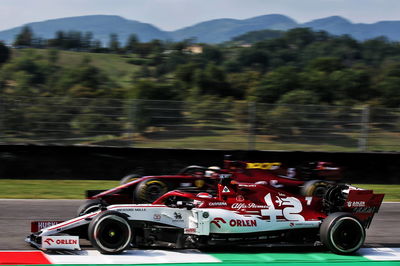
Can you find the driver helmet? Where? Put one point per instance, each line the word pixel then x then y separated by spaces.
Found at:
pixel 205 195
pixel 211 170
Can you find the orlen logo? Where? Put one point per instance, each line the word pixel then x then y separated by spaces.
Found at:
pixel 217 220
pixel 242 223
pixel 234 222
pixel 48 241
pixel 61 241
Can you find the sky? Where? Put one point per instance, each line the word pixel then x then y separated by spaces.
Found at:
pixel 175 14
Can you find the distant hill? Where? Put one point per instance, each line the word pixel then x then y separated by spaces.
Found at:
pixel 221 30
pixel 338 26
pixel 256 36
pixel 213 31
pixel 101 26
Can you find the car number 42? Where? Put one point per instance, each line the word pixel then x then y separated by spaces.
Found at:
pixel 291 210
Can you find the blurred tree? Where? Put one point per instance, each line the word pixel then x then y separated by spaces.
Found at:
pixel 25 37
pixel 4 53
pixel 275 84
pixel 131 43
pixel 212 54
pixel 114 44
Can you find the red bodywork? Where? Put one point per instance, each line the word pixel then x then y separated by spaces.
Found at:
pixel 270 174
pixel 250 199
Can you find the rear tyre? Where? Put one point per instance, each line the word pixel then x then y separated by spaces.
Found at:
pixel 110 233
pixel 316 188
pixel 129 178
pixel 88 207
pixel 150 190
pixel 342 233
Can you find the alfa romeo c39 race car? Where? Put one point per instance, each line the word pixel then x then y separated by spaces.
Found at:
pixel 240 214
pixel 310 179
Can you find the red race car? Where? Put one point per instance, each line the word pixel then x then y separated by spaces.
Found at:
pixel 239 214
pixel 309 179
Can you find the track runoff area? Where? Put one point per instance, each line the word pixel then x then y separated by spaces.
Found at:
pixel 365 256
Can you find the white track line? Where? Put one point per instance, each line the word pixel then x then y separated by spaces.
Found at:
pixel 381 254
pixel 133 257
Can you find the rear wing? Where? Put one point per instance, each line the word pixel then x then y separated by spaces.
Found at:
pixel 363 204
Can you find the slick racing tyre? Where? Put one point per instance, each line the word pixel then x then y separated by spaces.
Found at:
pixel 316 188
pixel 110 232
pixel 129 178
pixel 149 190
pixel 342 233
pixel 88 207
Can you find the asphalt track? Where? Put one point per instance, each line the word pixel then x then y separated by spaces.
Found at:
pixel 16 215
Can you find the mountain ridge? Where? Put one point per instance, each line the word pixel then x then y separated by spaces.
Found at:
pixel 211 31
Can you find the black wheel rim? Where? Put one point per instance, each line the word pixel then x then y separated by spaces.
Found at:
pixel 112 234
pixel 348 235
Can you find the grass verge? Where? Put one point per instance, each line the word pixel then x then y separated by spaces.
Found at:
pixel 50 189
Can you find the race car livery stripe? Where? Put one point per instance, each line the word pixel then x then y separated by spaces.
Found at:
pixel 23 258
pixel 71 222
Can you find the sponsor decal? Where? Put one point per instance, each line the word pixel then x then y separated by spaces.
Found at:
pixel 239 198
pixel 60 242
pixel 217 204
pixel 132 210
pixel 157 217
pixel 186 184
pixel 263 166
pixel 226 190
pixel 218 221
pixel 242 223
pixel 242 205
pixel 247 185
pixel 177 216
pixel 365 210
pixel 39 225
pixel 356 204
pixel 189 231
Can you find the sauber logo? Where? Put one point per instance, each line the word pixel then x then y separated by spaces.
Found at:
pixel 49 241
pixel 217 220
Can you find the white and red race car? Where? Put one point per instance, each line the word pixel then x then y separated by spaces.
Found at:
pixel 240 214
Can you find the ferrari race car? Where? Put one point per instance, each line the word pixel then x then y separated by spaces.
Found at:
pixel 240 214
pixel 310 179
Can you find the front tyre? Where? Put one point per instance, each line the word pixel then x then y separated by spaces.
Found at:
pixel 342 233
pixel 110 232
pixel 149 190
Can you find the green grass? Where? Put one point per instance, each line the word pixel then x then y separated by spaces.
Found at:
pixel 50 189
pixel 392 192
pixel 75 189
